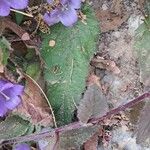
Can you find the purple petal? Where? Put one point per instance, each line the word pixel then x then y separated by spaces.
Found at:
pixel 22 147
pixel 2 82
pixel 68 17
pixel 15 90
pixel 3 108
pixel 76 4
pixel 6 86
pixel 52 17
pixel 63 2
pixel 50 2
pixel 13 102
pixel 4 8
pixel 17 4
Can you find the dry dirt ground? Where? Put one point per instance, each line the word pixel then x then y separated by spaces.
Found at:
pixel 118 21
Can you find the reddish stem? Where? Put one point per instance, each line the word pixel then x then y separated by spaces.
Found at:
pixel 77 125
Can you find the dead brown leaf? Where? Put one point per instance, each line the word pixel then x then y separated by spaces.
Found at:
pixel 93 104
pixel 113 17
pixel 141 4
pixel 102 63
pixel 92 143
pixel 93 79
pixel 110 21
pixel 34 104
pixel 117 7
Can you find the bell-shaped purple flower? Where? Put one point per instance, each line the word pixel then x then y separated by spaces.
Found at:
pixel 65 13
pixel 22 146
pixel 9 96
pixel 5 6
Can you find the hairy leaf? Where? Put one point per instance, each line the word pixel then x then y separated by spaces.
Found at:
pixel 142 46
pixel 93 104
pixel 76 137
pixel 67 64
pixel 48 143
pixel 13 126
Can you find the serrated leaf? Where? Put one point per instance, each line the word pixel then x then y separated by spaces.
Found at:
pixel 13 126
pixel 67 64
pixel 143 129
pixel 93 104
pixel 76 137
pixel 142 46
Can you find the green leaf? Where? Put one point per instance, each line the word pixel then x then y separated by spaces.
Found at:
pixel 76 137
pixel 4 50
pixel 142 47
pixel 33 70
pixel 13 126
pixel 19 17
pixel 67 64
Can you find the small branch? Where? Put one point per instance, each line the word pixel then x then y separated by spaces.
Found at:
pixel 122 107
pixel 25 37
pixel 76 125
pixel 7 23
pixel 23 13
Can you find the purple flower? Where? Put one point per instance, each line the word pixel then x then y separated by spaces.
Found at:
pixel 22 146
pixel 50 1
pixel 65 13
pixel 5 6
pixel 9 96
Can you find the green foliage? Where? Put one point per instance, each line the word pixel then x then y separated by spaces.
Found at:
pixel 19 17
pixel 76 137
pixel 142 46
pixel 13 126
pixel 67 64
pixel 33 70
pixel 4 50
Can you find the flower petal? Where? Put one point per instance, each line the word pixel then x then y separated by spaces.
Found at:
pixel 50 1
pixel 51 18
pixel 17 4
pixel 63 2
pixel 3 108
pixel 2 82
pixel 13 102
pixel 68 17
pixel 22 146
pixel 76 4
pixel 4 8
pixel 6 86
pixel 15 90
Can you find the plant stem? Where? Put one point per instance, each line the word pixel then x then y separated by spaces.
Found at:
pixel 77 125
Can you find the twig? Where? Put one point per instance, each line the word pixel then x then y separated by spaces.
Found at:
pixel 7 23
pixel 20 12
pixel 76 125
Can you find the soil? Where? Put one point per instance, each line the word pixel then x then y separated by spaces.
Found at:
pixel 118 22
